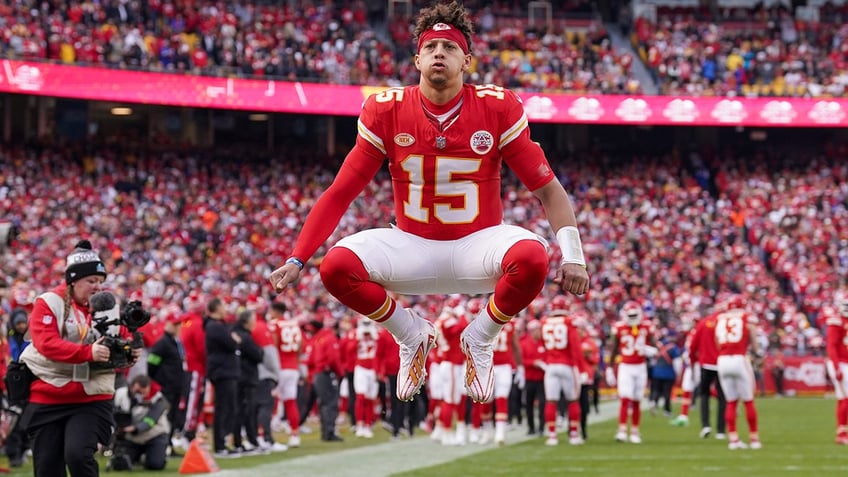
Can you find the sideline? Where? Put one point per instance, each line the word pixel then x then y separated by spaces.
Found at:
pixel 389 458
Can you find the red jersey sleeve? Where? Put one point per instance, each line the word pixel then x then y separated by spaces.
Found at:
pixel 358 169
pixel 524 156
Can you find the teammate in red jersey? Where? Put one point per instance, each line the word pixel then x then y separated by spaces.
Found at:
pixel 289 340
pixel 445 142
pixel 563 359
pixel 691 370
pixel 735 331
pixel 836 320
pixel 365 383
pixel 450 324
pixel 634 341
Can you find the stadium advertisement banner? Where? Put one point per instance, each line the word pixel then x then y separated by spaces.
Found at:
pixel 103 84
pixel 802 375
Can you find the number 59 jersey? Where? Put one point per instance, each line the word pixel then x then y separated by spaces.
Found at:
pixel 446 172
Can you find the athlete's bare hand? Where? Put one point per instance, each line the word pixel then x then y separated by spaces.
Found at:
pixel 573 278
pixel 284 276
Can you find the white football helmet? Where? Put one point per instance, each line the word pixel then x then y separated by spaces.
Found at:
pixel 631 312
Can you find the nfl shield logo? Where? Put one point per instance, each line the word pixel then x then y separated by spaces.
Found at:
pixel 441 142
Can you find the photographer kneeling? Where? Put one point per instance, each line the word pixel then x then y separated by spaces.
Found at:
pixel 70 397
pixel 147 428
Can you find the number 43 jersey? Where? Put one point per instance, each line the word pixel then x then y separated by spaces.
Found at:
pixel 445 160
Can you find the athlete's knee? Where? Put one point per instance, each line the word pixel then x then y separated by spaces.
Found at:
pixel 340 268
pixel 527 259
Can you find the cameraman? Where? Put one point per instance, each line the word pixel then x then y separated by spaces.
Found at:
pixel 147 433
pixel 70 403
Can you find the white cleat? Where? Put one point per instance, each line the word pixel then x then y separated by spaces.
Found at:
pixel 294 441
pixel 479 370
pixel 621 436
pixel 576 441
pixel 736 445
pixel 500 437
pixel 413 359
pixel 552 441
pixel 756 445
pixel 721 436
pixel 705 432
pixel 635 438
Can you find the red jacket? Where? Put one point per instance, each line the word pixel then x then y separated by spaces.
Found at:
pixel 388 354
pixel 325 355
pixel 532 350
pixel 46 338
pixel 194 343
pixel 704 349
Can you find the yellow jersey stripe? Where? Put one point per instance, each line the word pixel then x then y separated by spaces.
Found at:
pixel 513 132
pixel 370 137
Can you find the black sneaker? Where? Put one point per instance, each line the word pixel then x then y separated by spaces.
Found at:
pixel 332 438
pixel 227 454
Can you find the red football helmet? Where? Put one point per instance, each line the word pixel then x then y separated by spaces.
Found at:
pixel 475 306
pixel 559 302
pixel 631 312
pixel 731 302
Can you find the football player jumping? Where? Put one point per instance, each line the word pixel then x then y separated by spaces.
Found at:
pixel 445 143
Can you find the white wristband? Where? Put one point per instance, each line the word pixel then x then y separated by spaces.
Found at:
pixel 570 245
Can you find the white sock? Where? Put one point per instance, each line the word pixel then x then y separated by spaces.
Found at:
pixel 484 327
pixel 401 324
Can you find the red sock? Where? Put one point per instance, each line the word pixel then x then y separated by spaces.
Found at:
pixel 292 414
pixel 636 418
pixel 686 401
pixel 623 409
pixel 751 415
pixel 730 416
pixel 842 412
pixel 476 415
pixel 501 409
pixel 550 416
pixel 573 417
pixel 446 415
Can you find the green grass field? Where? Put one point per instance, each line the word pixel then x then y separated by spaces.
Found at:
pixel 797 435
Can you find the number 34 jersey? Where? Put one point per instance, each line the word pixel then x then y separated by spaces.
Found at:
pixel 446 172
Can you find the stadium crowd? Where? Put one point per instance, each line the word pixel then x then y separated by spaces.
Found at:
pixel 177 221
pixel 759 52
pixel 675 232
pixel 336 42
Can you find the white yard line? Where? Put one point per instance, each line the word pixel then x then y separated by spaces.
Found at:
pixel 389 458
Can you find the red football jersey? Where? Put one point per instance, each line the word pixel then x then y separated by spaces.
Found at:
pixel 446 179
pixel 289 340
pixel 632 339
pixel 703 349
pixel 562 341
pixel 449 328
pixel 504 344
pixel 732 333
pixel 837 335
pixel 366 352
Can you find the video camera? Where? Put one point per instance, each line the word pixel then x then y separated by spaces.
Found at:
pixel 107 320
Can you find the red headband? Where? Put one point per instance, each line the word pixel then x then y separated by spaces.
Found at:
pixel 443 31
